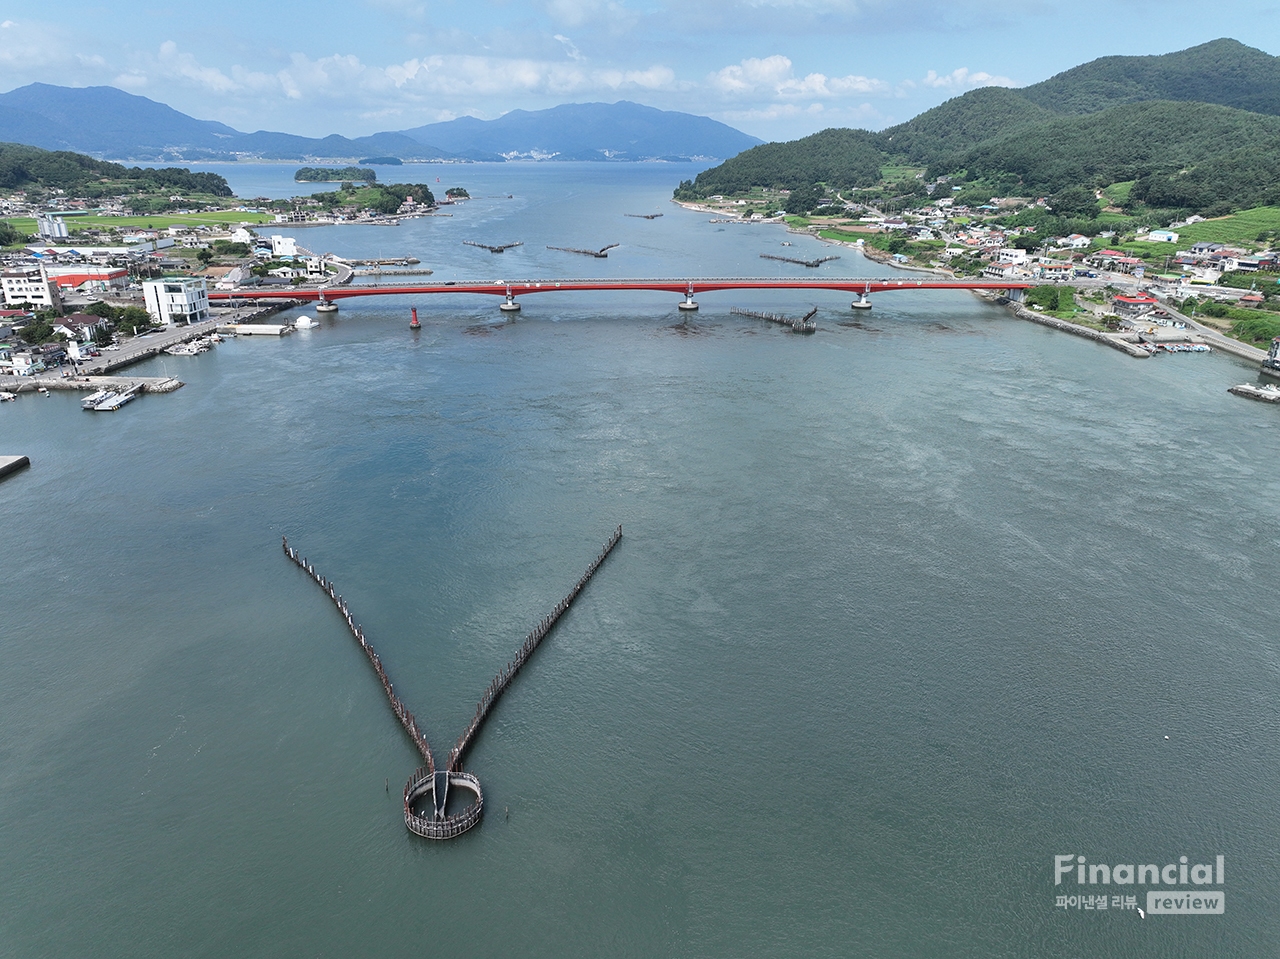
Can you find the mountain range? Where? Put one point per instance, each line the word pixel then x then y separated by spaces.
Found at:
pixel 110 124
pixel 1196 129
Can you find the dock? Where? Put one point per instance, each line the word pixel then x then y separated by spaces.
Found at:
pixel 11 464
pixel 429 783
pixel 256 329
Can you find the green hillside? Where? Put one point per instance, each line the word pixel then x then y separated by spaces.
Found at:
pixel 1197 131
pixel 24 167
pixel 958 124
pixel 1225 72
pixel 838 158
pixel 1122 143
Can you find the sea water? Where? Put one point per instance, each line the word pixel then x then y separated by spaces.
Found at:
pixel 903 610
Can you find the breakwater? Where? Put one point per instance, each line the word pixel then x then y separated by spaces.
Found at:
pixel 812 264
pixel 429 785
pixel 804 324
pixel 536 635
pixel 402 713
pixel 1075 329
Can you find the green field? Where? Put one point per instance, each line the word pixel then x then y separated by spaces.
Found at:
pixel 1118 193
pixel 157 221
pixel 1242 228
pixel 892 172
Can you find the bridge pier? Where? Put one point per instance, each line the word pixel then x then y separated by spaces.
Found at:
pixel 688 305
pixel 510 305
pixel 327 308
pixel 861 303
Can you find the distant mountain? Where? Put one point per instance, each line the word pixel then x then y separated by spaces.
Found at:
pixel 588 131
pixel 103 121
pixel 111 124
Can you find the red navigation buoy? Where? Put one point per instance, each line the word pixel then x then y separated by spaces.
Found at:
pixel 414 324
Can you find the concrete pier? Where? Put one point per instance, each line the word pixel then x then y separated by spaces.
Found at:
pixel 11 464
pixel 30 384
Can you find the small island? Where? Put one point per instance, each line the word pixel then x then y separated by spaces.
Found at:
pixel 319 174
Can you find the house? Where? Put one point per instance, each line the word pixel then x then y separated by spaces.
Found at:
pixel 176 300
pixel 1012 255
pixel 1000 270
pixel 1206 247
pixel 1251 300
pixel 1075 241
pixel 1162 236
pixel 1135 305
pixel 79 326
pixel 283 246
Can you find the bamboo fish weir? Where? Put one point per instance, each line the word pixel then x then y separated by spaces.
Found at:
pixel 428 782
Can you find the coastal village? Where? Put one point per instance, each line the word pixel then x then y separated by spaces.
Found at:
pixel 79 287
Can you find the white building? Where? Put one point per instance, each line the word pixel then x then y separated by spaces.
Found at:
pixel 51 227
pixel 283 245
pixel 176 300
pixel 1162 236
pixel 28 284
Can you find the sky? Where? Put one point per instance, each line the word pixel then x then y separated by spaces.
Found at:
pixel 778 69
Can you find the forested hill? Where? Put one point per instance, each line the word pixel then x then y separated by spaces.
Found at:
pixel 1197 130
pixel 24 167
pixel 1224 71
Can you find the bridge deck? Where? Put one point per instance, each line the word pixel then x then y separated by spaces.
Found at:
pixel 687 287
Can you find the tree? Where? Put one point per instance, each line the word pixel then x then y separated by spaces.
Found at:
pixel 204 255
pixel 36 332
pixel 1075 201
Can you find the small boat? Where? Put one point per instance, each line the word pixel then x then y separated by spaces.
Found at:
pixel 7 397
pixel 413 323
pixel 117 400
pixel 1267 394
pixel 93 399
pixel 41 389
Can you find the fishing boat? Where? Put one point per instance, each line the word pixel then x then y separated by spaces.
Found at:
pixel 1267 393
pixel 93 399
pixel 117 400
pixel 7 397
pixel 413 323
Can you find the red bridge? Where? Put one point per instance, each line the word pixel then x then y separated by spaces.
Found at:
pixel 688 288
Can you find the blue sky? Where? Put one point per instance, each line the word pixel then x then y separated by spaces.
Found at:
pixel 778 69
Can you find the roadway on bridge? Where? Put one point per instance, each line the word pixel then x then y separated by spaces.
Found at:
pixel 687 287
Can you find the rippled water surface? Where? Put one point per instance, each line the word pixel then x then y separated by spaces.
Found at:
pixel 903 610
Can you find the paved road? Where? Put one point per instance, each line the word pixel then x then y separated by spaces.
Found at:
pixel 140 347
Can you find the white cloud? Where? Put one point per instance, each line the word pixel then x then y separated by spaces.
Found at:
pixel 962 79
pixel 576 13
pixel 569 47
pixel 177 63
pixel 773 76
